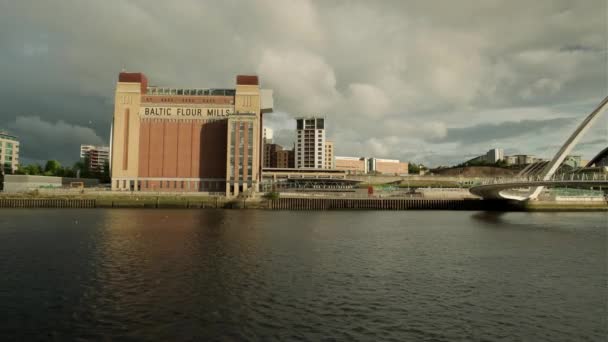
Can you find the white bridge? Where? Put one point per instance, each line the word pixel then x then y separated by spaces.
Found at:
pixel 495 188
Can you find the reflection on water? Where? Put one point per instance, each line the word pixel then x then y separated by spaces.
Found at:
pixel 215 274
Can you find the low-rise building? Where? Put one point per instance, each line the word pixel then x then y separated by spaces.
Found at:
pixel 387 166
pixel 522 159
pixel 25 183
pixel 352 165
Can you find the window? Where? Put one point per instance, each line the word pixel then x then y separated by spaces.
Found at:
pixel 300 124
pixel 320 123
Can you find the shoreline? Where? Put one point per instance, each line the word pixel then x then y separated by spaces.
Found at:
pixel 182 201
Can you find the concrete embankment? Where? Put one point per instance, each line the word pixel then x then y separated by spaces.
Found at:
pixel 293 203
pixel 565 206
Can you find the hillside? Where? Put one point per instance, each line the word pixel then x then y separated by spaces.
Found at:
pixel 475 171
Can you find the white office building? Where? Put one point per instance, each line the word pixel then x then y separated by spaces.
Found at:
pixel 268 135
pixel 310 143
pixel 494 155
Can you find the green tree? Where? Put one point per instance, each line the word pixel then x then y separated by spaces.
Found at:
pixel 31 169
pixel 52 168
pixel 83 167
pixel 413 168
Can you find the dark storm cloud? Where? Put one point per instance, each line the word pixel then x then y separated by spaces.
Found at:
pixel 355 62
pixel 61 139
pixel 510 129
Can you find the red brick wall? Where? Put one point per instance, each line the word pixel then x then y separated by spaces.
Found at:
pixel 182 149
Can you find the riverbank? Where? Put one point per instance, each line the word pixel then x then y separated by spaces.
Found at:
pixel 187 201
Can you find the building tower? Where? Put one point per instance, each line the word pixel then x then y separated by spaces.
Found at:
pixel 310 143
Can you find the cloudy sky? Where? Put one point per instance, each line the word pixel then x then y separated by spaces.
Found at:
pixel 428 81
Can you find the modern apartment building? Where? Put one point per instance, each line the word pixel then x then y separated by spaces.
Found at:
pixel 270 154
pixel 285 159
pixel 95 156
pixel 310 143
pixel 9 153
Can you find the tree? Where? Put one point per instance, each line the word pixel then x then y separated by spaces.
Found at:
pixel 52 168
pixel 413 168
pixel 83 167
pixel 31 169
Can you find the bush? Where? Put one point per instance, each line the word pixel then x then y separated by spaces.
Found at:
pixel 272 195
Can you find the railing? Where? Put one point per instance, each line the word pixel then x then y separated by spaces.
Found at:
pixel 581 177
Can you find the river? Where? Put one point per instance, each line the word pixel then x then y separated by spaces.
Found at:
pixel 279 275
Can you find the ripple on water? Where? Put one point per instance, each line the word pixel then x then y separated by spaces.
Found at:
pixel 235 275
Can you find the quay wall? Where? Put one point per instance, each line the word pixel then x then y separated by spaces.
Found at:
pixel 296 203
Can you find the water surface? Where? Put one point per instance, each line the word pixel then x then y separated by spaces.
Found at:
pixel 266 275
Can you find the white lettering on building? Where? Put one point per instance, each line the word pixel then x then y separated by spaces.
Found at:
pixel 184 112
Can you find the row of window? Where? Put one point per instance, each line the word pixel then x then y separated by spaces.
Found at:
pixel 190 92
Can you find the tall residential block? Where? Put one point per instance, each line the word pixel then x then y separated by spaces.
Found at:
pixel 310 143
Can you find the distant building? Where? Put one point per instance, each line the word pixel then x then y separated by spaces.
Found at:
pixel 9 153
pixel 573 161
pixel 362 165
pixel 270 154
pixel 329 155
pixel 352 165
pixel 494 155
pixel 310 143
pixel 511 160
pixel 268 135
pixel 522 159
pixel 95 156
pixel 491 157
pixel 387 166
pixel 285 159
